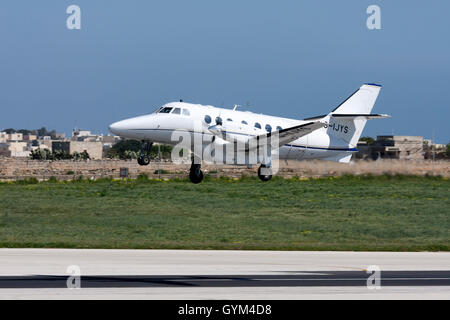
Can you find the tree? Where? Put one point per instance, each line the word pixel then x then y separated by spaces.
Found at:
pixel 45 154
pixel 44 132
pixel 369 140
pixel 10 130
pixel 81 155
pixel 26 131
pixel 131 149
pixel 123 149
pixel 447 150
pixel 42 154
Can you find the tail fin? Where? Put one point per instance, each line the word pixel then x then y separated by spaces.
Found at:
pixel 346 122
pixel 361 101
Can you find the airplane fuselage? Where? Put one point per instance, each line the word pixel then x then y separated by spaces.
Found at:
pixel 194 118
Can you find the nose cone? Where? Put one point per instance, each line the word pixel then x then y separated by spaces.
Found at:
pixel 133 127
pixel 117 128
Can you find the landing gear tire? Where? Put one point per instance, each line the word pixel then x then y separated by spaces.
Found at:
pixel 143 160
pixel 264 177
pixel 195 174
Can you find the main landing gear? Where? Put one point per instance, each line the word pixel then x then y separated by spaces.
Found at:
pixel 195 174
pixel 144 158
pixel 265 173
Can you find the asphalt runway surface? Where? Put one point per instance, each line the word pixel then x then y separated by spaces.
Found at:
pixel 191 274
pixel 304 279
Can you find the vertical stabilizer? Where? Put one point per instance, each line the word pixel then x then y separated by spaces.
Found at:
pixel 347 121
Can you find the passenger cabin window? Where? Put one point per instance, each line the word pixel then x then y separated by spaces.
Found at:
pixel 166 110
pixel 229 119
pixel 176 111
pixel 186 112
pixel 219 121
pixel 279 128
pixel 207 119
pixel 268 128
pixel 257 125
pixel 244 122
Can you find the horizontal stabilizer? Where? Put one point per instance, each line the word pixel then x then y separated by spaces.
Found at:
pixel 366 116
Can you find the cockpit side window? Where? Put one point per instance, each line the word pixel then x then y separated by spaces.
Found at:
pixel 244 122
pixel 176 111
pixel 186 112
pixel 165 110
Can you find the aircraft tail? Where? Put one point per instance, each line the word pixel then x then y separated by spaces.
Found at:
pixel 346 122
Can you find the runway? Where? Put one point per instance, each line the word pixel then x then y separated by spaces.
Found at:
pixel 191 274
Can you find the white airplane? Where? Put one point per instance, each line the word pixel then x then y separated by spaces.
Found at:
pixel 333 136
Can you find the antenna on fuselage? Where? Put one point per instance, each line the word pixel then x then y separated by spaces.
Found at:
pixel 238 105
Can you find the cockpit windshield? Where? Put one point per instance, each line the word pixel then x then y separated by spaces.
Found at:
pixel 165 110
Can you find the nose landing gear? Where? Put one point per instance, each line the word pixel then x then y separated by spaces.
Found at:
pixel 144 158
pixel 265 173
pixel 195 174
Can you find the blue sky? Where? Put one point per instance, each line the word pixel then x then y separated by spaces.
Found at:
pixel 288 58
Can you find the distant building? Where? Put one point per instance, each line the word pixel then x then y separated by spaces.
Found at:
pixel 14 149
pixel 29 137
pixel 15 136
pixel 93 148
pixel 63 146
pixel 21 145
pixel 392 147
pixel 45 144
pixel 434 150
pixel 4 150
pixel 77 134
pixel 110 139
pixel 60 136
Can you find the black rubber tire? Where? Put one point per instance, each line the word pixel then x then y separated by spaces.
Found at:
pixel 143 160
pixel 196 175
pixel 263 177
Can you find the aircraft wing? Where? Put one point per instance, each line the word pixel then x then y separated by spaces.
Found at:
pixel 276 138
pixel 288 135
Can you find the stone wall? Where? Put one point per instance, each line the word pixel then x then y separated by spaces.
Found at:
pixel 12 169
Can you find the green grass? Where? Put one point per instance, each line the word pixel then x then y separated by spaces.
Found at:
pixel 399 213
